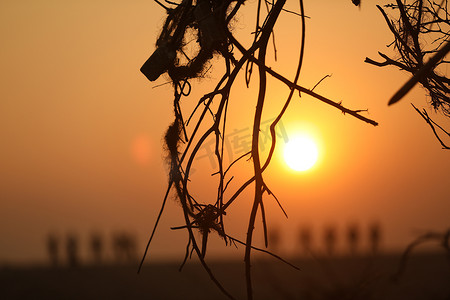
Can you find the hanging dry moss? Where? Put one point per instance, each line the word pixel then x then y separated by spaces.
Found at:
pixel 208 20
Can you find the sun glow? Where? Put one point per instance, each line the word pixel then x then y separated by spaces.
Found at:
pixel 301 153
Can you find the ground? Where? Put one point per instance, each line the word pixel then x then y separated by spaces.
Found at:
pixel 426 276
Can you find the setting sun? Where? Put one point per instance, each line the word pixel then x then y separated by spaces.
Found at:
pixel 301 153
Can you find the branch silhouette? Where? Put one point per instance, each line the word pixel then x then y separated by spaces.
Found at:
pixel 415 24
pixel 209 22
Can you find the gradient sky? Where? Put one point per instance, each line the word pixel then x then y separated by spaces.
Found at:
pixel 81 128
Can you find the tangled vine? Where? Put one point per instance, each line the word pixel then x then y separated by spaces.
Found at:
pixel 421 30
pixel 208 23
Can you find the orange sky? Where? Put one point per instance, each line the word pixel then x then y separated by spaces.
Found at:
pixel 81 128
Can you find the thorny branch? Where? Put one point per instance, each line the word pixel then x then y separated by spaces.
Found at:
pixel 209 23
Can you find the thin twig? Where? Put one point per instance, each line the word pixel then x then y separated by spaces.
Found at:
pixel 430 122
pixel 326 76
pixel 155 226
pixel 290 84
pixel 265 251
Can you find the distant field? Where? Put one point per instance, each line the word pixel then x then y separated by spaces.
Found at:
pixel 427 276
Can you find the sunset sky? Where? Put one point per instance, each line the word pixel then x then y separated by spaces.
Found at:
pixel 81 129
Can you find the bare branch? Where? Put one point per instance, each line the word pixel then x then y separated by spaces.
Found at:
pixel 209 20
pixel 416 24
